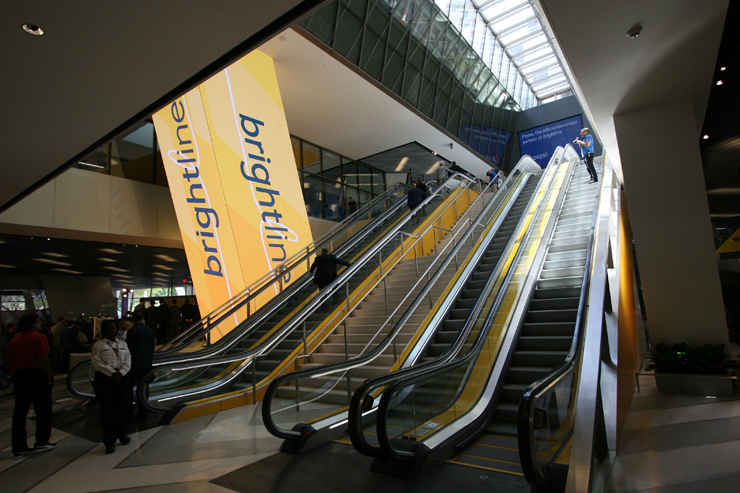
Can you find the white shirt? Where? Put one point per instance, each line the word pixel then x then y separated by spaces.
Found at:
pixel 109 357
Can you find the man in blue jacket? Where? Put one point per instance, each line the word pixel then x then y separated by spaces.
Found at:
pixel 140 340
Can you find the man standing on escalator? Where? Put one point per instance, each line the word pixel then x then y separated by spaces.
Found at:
pixel 325 266
pixel 586 143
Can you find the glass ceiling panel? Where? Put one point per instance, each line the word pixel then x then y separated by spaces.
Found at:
pixel 489 24
pixel 526 44
pixel 495 9
pixel 508 21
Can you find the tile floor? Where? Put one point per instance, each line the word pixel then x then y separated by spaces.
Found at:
pixel 670 444
pixel 678 443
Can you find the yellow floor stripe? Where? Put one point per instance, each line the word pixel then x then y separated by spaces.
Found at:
pixel 487 468
pixel 495 446
pixel 488 458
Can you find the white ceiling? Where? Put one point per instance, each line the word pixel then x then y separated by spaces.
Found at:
pixel 673 57
pixel 330 104
pixel 100 66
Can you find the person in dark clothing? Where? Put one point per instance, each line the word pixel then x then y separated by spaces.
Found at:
pixel 28 356
pixel 140 341
pixel 416 197
pixel 164 318
pixel 152 320
pixel 351 205
pixel 175 320
pixel 325 266
pixel 189 313
pixel 70 344
pixel 421 186
pixel 457 169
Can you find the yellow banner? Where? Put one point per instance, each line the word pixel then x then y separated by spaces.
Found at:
pixel 732 244
pixel 235 186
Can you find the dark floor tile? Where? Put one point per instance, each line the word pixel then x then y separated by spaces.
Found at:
pixel 729 483
pixel 335 467
pixel 681 435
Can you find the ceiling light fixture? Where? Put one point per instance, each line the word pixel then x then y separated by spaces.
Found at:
pixel 108 250
pixel 166 258
pixel 634 31
pixel 54 254
pixel 719 82
pixel 705 137
pixel 723 69
pixel 115 269
pixel 402 164
pixel 55 262
pixel 68 271
pixel 33 29
pixel 92 165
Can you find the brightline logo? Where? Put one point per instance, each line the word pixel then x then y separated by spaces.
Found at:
pixel 186 157
pixel 271 227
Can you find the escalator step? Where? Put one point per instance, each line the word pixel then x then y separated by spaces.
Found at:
pixel 545 329
pixel 547 316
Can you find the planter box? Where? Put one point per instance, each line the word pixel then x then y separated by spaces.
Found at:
pixel 678 383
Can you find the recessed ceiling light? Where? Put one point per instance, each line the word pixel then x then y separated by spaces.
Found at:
pixel 123 275
pixel 68 271
pixel 54 254
pixel 166 258
pixel 719 82
pixel 33 29
pixel 108 250
pixel 705 137
pixel 164 267
pixel 55 262
pixel 107 259
pixel 723 69
pixel 7 266
pixel 115 269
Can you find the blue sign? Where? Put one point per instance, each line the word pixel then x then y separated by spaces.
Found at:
pixel 487 141
pixel 540 142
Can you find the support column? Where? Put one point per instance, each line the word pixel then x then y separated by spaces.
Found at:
pixel 664 184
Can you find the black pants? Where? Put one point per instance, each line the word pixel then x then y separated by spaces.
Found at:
pixel 31 387
pixel 135 378
pixel 113 401
pixel 590 166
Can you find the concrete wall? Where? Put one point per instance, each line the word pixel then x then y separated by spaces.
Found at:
pixel 669 212
pixel 93 202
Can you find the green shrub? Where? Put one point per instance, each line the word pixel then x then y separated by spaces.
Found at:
pixel 709 359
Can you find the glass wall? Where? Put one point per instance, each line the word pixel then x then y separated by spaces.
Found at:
pixel 414 50
pixel 329 180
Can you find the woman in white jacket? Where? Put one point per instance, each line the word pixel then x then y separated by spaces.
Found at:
pixel 111 360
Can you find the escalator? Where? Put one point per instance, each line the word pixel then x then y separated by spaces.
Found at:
pixel 318 388
pixel 273 339
pixel 466 410
pixel 368 222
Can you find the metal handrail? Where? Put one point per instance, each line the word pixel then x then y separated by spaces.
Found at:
pixel 247 357
pixel 162 358
pixel 198 329
pixel 268 309
pixel 362 358
pixel 388 451
pixel 587 304
pixel 359 406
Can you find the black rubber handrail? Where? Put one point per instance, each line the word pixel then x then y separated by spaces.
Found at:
pixel 388 451
pixel 301 435
pixel 525 435
pixel 199 329
pixel 246 357
pixel 163 358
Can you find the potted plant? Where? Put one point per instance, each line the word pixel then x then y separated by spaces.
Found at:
pixel 682 369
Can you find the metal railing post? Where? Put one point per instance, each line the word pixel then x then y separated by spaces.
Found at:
pixel 254 381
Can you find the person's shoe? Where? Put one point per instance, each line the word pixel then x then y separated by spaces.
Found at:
pixel 125 440
pixel 110 450
pixel 22 453
pixel 45 447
